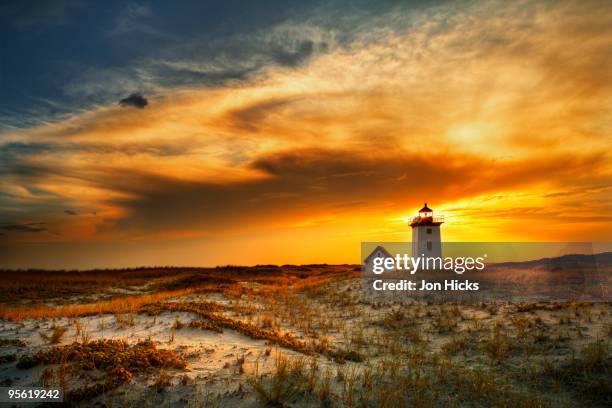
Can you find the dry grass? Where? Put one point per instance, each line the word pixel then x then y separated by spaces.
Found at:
pixel 588 374
pixel 458 344
pixel 497 345
pixel 118 360
pixel 12 343
pixel 214 320
pixel 117 306
pixel 39 285
pixel 56 335
pixel 284 383
pixel 20 289
pixel 414 353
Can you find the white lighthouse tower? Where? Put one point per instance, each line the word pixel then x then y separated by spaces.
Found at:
pixel 426 238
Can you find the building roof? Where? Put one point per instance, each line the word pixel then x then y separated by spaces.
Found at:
pixel 425 209
pixel 378 249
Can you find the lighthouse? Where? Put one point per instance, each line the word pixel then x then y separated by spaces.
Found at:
pixel 426 238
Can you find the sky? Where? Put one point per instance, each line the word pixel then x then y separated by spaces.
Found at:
pixel 236 132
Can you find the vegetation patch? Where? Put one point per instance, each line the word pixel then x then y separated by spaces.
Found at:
pixel 12 343
pixel 205 325
pixel 55 336
pixel 589 374
pixel 7 358
pixel 118 360
pixel 285 382
pixel 214 321
pixel 119 305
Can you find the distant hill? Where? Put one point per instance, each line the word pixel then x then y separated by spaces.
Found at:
pixel 571 261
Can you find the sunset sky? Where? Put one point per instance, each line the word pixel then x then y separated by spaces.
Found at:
pixel 244 132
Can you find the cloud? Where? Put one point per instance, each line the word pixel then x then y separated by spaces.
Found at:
pixel 70 212
pixel 175 74
pixel 131 19
pixel 18 148
pixel 135 100
pixel 30 227
pixel 319 181
pixel 295 128
pixel 251 116
pixel 205 61
pixel 294 57
pixel 28 13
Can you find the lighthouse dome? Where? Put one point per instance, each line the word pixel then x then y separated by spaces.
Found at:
pixel 426 217
pixel 425 209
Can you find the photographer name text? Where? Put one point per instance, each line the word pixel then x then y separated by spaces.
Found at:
pixel 423 285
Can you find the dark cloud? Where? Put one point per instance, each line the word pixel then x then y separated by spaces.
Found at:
pixel 309 181
pixel 300 181
pixel 30 227
pixel 201 43
pixel 232 60
pixel 70 212
pixel 13 154
pixel 249 117
pixel 173 76
pixel 135 100
pixel 19 149
pixel 293 58
pixel 30 13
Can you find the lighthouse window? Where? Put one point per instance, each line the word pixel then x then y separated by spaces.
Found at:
pixel 429 245
pixel 429 230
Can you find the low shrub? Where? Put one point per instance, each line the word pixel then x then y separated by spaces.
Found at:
pixel 119 360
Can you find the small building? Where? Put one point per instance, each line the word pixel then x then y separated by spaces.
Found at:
pixel 378 252
pixel 426 239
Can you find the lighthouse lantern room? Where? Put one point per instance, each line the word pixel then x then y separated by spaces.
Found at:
pixel 426 239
